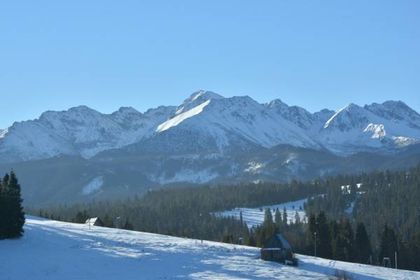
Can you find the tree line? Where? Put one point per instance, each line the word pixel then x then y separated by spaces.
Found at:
pixel 187 211
pixel 360 218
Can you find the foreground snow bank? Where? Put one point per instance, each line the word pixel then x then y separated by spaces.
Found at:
pixel 57 250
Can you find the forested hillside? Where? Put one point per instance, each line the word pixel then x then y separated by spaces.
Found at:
pixel 186 211
pixel 361 218
pixel 387 203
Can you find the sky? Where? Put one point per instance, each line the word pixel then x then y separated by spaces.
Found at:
pixel 105 54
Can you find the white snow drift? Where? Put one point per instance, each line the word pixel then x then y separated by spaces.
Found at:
pixel 53 250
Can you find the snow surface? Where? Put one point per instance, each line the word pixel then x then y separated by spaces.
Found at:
pixel 377 126
pixel 182 117
pixel 187 175
pixel 3 133
pixel 52 250
pixel 224 121
pixel 93 186
pixel 255 216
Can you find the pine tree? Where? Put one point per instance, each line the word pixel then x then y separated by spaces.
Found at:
pixel 277 217
pixel 297 218
pixel 362 245
pixel 128 225
pixel 81 217
pixel 3 209
pixel 284 216
pixel 388 245
pixel 268 217
pixel 323 235
pixel 108 222
pixel 348 238
pixel 12 217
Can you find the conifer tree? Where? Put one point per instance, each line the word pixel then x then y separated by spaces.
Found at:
pixel 268 217
pixel 12 217
pixel 3 210
pixel 388 245
pixel 277 217
pixel 128 225
pixel 297 218
pixel 362 245
pixel 284 216
pixel 323 234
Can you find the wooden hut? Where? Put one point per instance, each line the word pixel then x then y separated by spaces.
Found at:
pixel 278 249
pixel 94 222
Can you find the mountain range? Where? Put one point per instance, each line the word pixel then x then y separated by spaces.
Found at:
pixel 83 154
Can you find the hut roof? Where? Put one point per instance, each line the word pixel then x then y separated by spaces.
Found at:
pixel 277 241
pixel 284 242
pixel 92 221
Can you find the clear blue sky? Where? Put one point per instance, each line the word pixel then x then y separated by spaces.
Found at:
pixel 106 54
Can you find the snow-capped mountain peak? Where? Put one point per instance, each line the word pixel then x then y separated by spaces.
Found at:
pixel 196 99
pixel 347 118
pixel 396 110
pixel 276 104
pixel 214 123
pixel 294 114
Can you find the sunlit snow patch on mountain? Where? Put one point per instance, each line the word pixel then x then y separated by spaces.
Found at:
pixel 377 130
pixel 182 117
pixel 3 132
pixel 254 167
pixel 93 186
pixel 187 175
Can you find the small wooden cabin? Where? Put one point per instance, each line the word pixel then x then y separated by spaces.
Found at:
pixel 94 222
pixel 278 249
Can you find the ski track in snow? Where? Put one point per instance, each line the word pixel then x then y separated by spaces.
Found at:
pixel 56 250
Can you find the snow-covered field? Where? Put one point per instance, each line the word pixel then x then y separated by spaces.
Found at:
pixel 57 250
pixel 255 216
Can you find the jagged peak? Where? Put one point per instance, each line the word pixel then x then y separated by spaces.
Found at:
pixel 203 95
pixel 127 110
pixel 395 103
pixel 394 110
pixel 78 110
pixel 196 99
pixel 276 103
pixel 349 110
pixel 82 108
pixel 350 107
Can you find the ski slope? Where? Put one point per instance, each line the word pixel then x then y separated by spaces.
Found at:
pixel 255 216
pixel 56 250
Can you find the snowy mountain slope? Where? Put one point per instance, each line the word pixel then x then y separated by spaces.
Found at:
pixel 377 126
pixel 227 123
pixel 206 139
pixel 78 131
pixel 227 119
pixel 57 250
pixel 119 174
pixel 3 132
